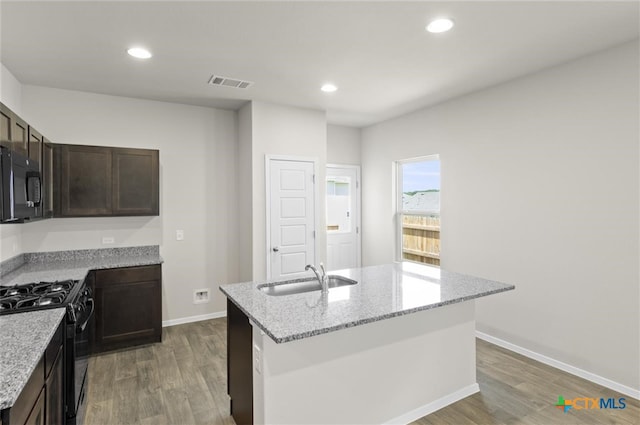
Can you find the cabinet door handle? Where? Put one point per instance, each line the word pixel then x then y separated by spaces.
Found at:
pixel 275 249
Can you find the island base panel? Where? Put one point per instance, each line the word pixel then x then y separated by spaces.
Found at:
pixel 389 371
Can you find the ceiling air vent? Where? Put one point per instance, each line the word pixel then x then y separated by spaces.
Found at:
pixel 217 80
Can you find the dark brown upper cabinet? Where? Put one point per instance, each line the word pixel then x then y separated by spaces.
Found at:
pixel 21 138
pixel 35 146
pixel 94 181
pixel 85 181
pixel 47 178
pixel 135 182
pixel 5 126
pixel 14 131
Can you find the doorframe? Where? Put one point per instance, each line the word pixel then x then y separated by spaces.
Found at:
pixel 316 199
pixel 358 206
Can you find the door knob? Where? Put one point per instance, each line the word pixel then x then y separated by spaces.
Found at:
pixel 276 249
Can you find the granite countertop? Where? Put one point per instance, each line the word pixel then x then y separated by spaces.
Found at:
pixel 23 339
pixel 61 265
pixel 382 292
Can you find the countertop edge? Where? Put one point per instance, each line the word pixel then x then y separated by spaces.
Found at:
pixel 16 276
pixel 351 324
pixel 138 264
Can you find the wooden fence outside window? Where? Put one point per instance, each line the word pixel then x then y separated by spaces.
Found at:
pixel 421 239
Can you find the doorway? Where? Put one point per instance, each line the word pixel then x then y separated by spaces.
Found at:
pixel 343 216
pixel 291 218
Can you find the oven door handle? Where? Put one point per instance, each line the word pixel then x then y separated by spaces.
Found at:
pixel 82 327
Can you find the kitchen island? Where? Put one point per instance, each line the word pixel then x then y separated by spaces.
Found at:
pixel 394 347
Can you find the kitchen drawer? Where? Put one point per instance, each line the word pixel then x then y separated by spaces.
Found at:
pixel 128 275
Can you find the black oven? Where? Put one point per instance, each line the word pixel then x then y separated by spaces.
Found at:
pixel 20 187
pixel 79 315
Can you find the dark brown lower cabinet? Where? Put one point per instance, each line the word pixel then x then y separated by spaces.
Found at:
pixel 37 415
pixel 128 307
pixel 55 391
pixel 239 365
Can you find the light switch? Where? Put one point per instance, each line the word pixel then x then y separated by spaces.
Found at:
pixel 179 235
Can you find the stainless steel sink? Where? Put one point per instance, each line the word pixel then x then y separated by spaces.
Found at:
pixel 299 287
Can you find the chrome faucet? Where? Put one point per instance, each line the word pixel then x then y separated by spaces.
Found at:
pixel 322 278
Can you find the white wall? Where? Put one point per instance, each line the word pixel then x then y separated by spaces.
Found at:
pixel 539 189
pixel 10 90
pixel 11 96
pixel 10 241
pixel 198 156
pixel 245 192
pixel 283 130
pixel 343 145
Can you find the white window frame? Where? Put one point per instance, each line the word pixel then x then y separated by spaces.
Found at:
pixel 399 212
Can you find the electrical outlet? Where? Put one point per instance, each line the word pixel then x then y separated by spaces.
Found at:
pixel 201 296
pixel 108 240
pixel 179 235
pixel 257 359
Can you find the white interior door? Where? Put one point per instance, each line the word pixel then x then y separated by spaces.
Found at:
pixel 343 217
pixel 291 207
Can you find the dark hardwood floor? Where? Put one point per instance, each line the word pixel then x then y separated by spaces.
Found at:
pixel 517 390
pixel 183 381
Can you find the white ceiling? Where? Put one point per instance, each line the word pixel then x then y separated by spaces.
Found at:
pixel 377 53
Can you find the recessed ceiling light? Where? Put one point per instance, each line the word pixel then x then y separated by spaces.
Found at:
pixel 328 88
pixel 139 52
pixel 440 25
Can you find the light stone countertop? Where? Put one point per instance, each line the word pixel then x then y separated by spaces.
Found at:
pixel 23 340
pixel 382 292
pixel 62 265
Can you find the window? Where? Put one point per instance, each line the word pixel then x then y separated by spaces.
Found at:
pixel 418 208
pixel 338 204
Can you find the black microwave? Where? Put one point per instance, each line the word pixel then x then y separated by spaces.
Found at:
pixel 20 188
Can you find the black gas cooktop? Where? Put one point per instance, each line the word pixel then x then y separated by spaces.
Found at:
pixel 36 296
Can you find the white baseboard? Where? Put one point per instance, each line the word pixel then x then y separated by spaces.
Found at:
pixel 600 380
pixel 192 319
pixel 438 404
